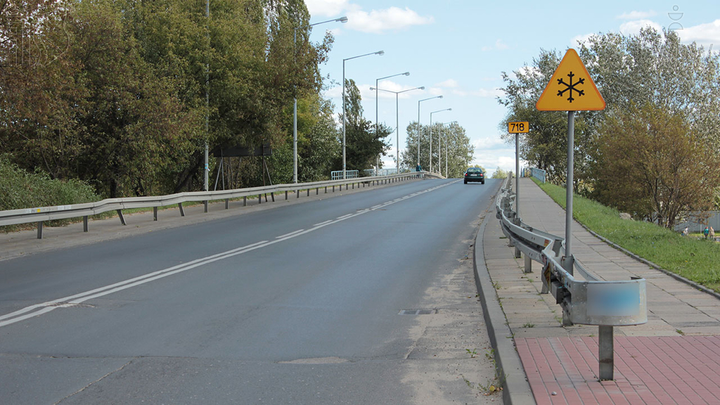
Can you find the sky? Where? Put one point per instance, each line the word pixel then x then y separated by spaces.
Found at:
pixel 459 49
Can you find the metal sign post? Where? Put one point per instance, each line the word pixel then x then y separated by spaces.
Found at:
pixel 571 89
pixel 517 128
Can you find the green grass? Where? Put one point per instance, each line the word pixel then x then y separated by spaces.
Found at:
pixel 21 189
pixel 692 258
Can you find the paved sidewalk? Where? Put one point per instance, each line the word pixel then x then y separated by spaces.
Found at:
pixel 672 359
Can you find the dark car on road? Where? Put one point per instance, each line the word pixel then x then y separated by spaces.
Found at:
pixel 474 174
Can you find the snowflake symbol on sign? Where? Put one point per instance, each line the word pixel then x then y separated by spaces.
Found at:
pixel 570 87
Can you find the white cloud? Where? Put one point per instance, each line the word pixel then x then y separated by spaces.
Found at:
pixel 499 45
pixel 634 27
pixel 492 93
pixel 581 39
pixel 636 15
pixel 327 8
pixel 379 21
pixel 375 21
pixel 449 83
pixel 704 34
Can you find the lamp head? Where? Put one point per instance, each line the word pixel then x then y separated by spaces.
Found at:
pixel 342 19
pixel 440 96
pixel 381 53
pixel 421 88
pixel 407 73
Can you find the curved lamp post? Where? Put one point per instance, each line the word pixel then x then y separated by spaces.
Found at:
pixel 419 128
pixel 446 109
pixel 295 155
pixel 377 165
pixel 381 53
pixel 397 121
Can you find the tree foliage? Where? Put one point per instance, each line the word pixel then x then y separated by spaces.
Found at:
pixel 115 92
pixel 363 144
pixel 653 70
pixel 455 148
pixel 653 165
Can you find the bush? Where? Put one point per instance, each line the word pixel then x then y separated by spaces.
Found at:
pixel 20 189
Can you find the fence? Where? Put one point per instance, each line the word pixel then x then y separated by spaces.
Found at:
pixel 338 174
pixel 41 214
pixel 539 174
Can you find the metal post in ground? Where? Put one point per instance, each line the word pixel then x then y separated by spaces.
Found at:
pixel 605 354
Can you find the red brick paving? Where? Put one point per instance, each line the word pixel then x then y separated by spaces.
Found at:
pixel 648 370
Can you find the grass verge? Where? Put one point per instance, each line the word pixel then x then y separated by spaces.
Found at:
pixel 692 258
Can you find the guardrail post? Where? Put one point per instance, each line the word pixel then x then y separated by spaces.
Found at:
pixel 605 352
pixel 245 201
pixel 528 264
pixel 317 190
pixel 308 192
pixel 205 206
pixel 39 229
pixel 227 203
pixel 334 188
pixel 297 194
pixel 325 189
pixel 182 210
pixel 517 253
pixel 155 213
pixel 285 195
pixel 122 217
pixel 272 195
pixel 86 226
pixel 260 198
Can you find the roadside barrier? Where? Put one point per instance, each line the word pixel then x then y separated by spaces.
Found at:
pixel 584 299
pixel 42 214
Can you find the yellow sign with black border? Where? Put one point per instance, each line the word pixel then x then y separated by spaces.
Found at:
pixel 570 88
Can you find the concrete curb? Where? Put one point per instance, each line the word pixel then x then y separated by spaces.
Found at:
pixel 516 389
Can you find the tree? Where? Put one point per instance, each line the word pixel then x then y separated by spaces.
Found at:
pixel 363 144
pixel 459 150
pixel 652 164
pixel 500 174
pixel 545 145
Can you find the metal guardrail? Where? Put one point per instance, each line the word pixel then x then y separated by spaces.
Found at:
pixel 41 214
pixel 588 301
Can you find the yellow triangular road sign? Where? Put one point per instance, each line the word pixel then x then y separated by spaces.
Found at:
pixel 570 88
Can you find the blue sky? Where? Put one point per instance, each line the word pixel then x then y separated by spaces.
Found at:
pixel 458 49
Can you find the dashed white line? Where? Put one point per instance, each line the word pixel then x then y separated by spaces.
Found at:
pixel 45 307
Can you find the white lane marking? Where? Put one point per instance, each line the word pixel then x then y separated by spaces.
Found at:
pixel 287 235
pixel 48 306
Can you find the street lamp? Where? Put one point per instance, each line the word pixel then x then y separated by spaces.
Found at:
pixel 381 53
pixel 447 109
pixel 397 121
pixel 295 154
pixel 418 121
pixel 377 165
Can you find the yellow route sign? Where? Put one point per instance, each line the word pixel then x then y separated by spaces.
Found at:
pixel 518 127
pixel 570 88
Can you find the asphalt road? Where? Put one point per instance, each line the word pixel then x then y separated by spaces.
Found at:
pixel 302 304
